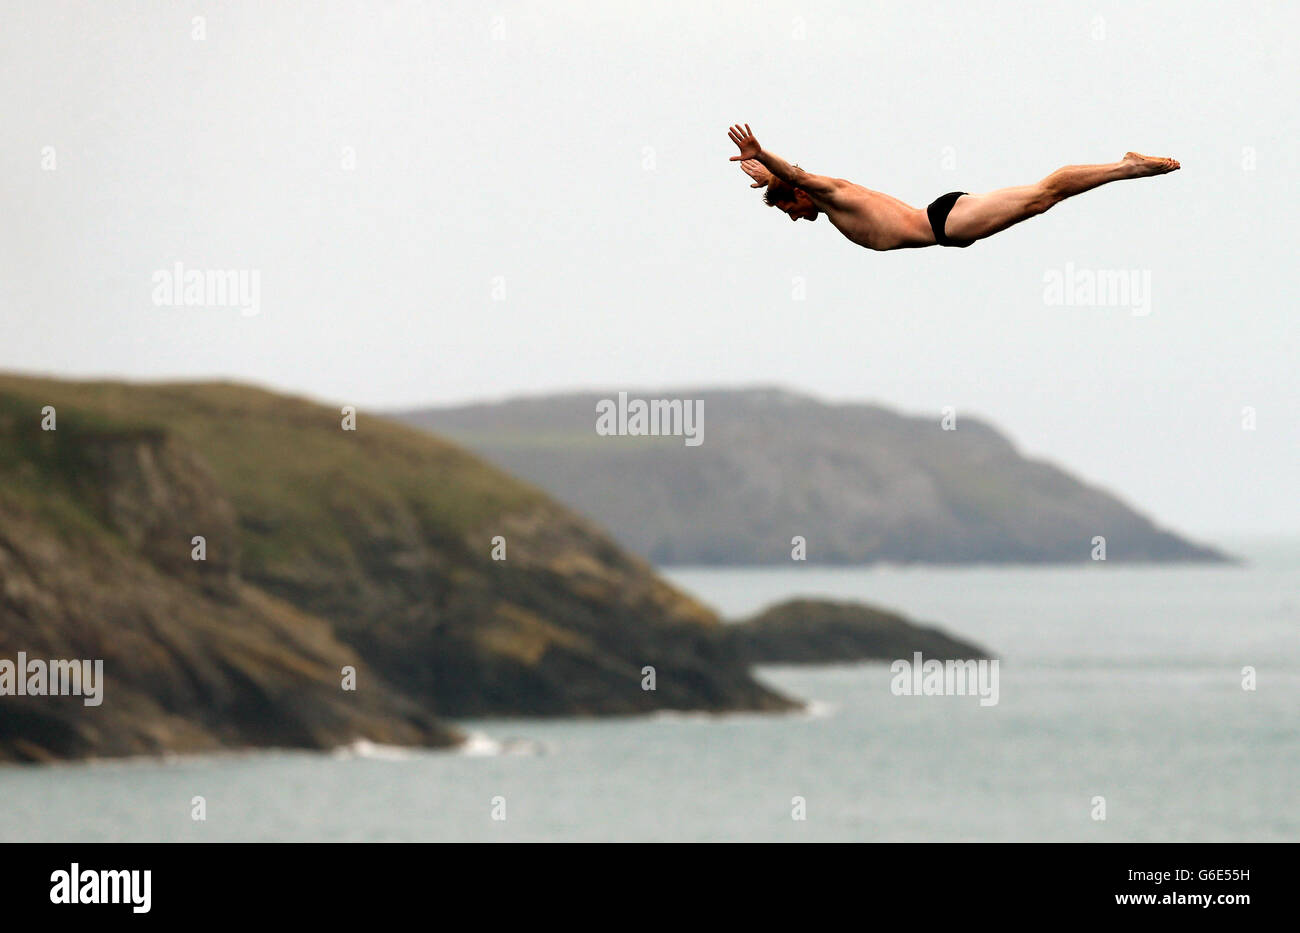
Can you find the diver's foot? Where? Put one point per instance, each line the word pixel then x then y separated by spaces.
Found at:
pixel 1142 166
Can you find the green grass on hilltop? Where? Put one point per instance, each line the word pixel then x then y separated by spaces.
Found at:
pixel 285 462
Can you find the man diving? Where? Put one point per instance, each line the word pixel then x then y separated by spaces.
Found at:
pixel 878 221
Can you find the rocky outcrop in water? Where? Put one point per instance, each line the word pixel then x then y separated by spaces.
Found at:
pixel 818 631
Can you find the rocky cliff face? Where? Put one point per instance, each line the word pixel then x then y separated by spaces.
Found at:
pixel 860 483
pixel 194 659
pixel 325 548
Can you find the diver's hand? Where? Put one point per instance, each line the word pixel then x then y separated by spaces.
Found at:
pixel 755 170
pixel 744 138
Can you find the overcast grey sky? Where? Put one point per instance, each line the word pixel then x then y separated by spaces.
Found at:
pixel 383 167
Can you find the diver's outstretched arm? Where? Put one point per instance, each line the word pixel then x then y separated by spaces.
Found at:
pixel 816 185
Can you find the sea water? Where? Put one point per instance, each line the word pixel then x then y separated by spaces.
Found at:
pixel 1121 696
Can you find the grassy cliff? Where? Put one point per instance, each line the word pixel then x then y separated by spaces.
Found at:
pixel 325 547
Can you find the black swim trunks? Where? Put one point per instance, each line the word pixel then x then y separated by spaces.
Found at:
pixel 938 214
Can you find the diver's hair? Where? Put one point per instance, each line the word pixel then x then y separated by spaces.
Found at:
pixel 777 192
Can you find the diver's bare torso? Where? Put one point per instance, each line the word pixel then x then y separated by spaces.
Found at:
pixel 874 219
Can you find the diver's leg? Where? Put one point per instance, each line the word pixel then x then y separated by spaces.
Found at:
pixel 976 216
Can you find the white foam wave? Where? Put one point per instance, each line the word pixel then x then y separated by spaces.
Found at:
pixel 811 709
pixel 482 745
pixel 364 748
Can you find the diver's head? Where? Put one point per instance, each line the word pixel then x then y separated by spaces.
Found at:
pixel 794 202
